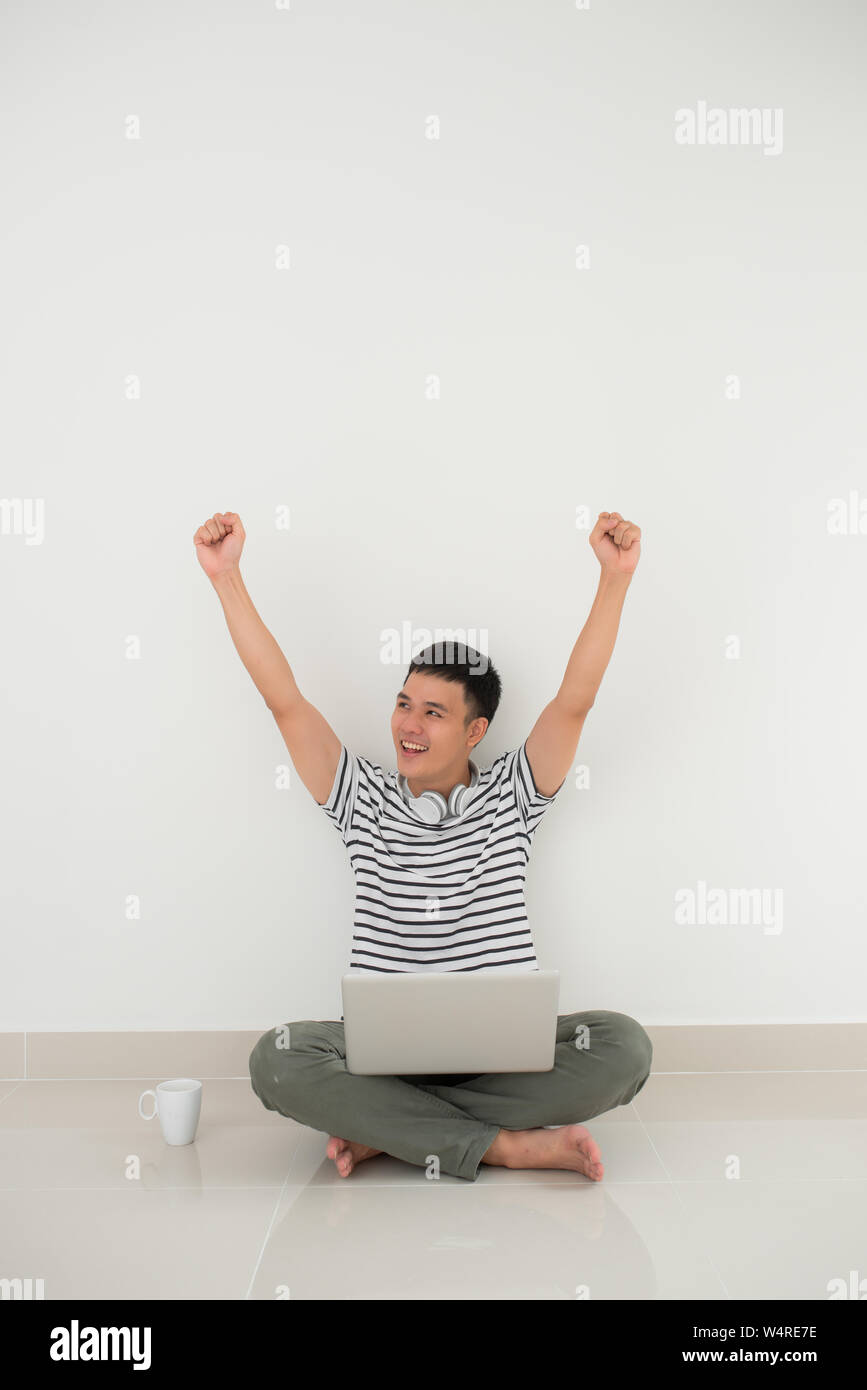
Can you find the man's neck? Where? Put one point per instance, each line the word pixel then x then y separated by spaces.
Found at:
pixel 461 776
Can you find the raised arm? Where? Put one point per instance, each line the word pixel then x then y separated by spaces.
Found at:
pixel 554 738
pixel 312 743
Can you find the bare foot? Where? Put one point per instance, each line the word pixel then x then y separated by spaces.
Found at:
pixel 346 1153
pixel 571 1147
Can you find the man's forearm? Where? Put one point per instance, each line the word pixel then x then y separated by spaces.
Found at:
pixel 592 651
pixel 271 672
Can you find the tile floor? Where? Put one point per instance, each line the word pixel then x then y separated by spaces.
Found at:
pixel 253 1209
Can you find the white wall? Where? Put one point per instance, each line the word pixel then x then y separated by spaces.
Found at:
pixel 306 387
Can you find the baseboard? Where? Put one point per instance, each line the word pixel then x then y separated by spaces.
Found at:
pixel 209 1054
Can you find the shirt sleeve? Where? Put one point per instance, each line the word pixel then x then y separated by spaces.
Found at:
pixel 354 803
pixel 340 806
pixel 530 804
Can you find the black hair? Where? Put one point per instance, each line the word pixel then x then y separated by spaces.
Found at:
pixel 455 661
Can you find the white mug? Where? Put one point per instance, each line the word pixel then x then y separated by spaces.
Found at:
pixel 178 1104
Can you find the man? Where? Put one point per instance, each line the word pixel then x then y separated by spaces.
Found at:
pixel 442 889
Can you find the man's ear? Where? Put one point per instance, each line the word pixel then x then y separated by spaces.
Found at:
pixel 476 724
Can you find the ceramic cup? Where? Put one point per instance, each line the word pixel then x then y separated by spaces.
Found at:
pixel 178 1104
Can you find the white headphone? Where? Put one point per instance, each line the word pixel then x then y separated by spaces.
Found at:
pixel 431 807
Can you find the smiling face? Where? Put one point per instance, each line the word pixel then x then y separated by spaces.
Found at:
pixel 430 712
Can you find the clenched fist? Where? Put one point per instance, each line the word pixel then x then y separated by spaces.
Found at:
pixel 616 543
pixel 219 543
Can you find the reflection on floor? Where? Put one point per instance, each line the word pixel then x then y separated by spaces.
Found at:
pixel 717 1185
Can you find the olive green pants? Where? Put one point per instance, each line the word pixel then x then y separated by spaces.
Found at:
pixel 601 1060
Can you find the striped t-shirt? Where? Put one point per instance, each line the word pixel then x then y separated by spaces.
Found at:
pixel 438 897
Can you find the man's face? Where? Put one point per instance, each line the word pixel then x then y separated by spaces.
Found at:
pixel 430 711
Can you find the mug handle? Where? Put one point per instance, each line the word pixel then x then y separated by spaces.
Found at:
pixel 141 1098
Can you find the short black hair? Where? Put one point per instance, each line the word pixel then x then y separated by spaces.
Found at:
pixel 455 661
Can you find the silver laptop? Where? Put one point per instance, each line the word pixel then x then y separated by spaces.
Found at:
pixel 458 1021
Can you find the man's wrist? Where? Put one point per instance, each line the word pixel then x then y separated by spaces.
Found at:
pixel 226 578
pixel 615 580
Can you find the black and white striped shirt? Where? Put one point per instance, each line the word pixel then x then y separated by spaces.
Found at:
pixel 438 897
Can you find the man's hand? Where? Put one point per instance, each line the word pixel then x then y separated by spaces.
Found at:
pixel 219 543
pixel 616 543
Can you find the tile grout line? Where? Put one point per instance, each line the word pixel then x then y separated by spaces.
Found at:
pixel 583 1184
pixel 268 1232
pixel 752 1071
pixel 771 1070
pixel 14 1088
pixel 685 1214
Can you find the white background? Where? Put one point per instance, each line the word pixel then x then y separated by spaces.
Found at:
pixel 264 388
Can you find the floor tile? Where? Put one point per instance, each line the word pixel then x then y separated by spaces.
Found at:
pixel 88 1134
pixel 770 1095
pixel 779 1239
pixel 752 1149
pixel 758 1126
pixel 85 1104
pixel 222 1156
pixel 484 1240
pixel 254 1208
pixel 134 1244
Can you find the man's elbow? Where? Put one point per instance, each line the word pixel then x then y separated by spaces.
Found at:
pixel 578 707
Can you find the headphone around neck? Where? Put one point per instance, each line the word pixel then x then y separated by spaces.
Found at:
pixel 432 808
